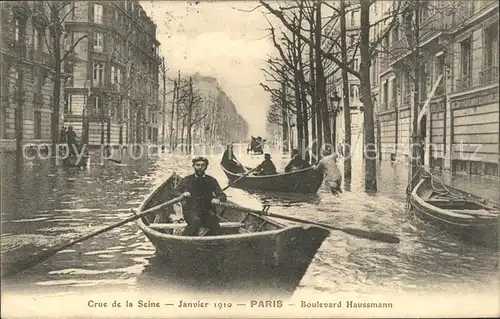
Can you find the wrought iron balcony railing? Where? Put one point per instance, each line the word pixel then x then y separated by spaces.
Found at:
pixel 489 75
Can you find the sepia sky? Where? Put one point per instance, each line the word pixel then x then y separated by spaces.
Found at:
pixel 215 39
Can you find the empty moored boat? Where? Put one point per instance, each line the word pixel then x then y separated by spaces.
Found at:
pixel 469 217
pixel 251 248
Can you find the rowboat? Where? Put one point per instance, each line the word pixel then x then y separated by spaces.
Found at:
pixel 251 249
pixel 301 181
pixel 75 161
pixel 469 217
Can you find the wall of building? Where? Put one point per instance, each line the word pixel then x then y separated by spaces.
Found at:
pixel 461 125
pixel 26 76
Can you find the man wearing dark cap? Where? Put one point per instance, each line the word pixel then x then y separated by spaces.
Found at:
pixel 266 167
pixel 199 190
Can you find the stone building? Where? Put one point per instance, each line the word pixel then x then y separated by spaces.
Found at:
pixel 27 73
pixel 112 94
pixel 221 121
pixel 458 88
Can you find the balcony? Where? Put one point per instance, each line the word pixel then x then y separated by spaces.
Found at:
pixel 435 24
pixel 463 83
pixel 489 75
pixel 399 47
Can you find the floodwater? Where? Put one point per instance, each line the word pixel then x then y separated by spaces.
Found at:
pixel 45 205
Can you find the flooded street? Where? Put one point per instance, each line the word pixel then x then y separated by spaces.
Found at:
pixel 44 206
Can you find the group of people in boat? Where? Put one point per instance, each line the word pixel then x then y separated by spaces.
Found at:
pixel 327 164
pixel 200 191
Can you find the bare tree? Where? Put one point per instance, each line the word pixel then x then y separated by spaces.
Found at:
pixel 59 12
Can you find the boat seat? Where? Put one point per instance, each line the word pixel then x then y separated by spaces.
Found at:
pixel 184 225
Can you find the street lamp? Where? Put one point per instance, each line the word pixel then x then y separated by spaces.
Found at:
pixel 334 108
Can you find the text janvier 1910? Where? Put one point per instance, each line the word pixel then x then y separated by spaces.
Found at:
pixel 181 304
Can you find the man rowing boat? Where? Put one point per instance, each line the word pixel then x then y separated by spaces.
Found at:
pixel 199 189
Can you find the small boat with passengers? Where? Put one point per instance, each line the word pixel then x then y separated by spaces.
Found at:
pixel 305 180
pixel 469 217
pixel 251 248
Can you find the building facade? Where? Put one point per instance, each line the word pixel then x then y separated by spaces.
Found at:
pixel 457 88
pixel 335 85
pixel 221 121
pixel 112 93
pixel 27 74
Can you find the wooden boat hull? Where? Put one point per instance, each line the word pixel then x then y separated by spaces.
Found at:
pixel 302 181
pixel 276 257
pixel 75 161
pixel 471 219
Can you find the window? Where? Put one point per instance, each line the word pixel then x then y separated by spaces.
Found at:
pixel 98 41
pixel 354 18
pixel 465 58
pixel 98 13
pixel 17 30
pixel 352 39
pixel 395 33
pixel 118 76
pixel 354 90
pixel 97 105
pixel 98 73
pixel 355 64
pixel 113 75
pixel 36 40
pixel 38 125
pixel 491 47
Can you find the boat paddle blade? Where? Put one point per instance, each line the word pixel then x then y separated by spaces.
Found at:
pixel 373 235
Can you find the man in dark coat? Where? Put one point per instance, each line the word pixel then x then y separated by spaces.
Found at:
pixel 266 167
pixel 71 140
pixel 199 190
pixel 230 162
pixel 297 162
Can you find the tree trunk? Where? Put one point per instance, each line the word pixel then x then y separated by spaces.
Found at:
pixel 172 114
pixel 18 113
pixel 164 105
pixel 369 136
pixel 189 123
pixel 321 82
pixel 414 150
pixel 177 109
pixel 345 97
pixel 56 94
pixel 284 115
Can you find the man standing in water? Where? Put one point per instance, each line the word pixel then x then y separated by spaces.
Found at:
pixel 199 190
pixel 328 165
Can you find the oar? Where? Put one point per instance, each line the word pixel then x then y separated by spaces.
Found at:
pixel 234 182
pixel 373 235
pixel 32 260
pixel 244 168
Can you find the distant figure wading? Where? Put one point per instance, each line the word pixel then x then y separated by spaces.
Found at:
pixel 328 165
